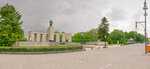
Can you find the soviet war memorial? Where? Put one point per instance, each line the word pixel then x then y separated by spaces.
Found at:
pixel 74 34
pixel 38 39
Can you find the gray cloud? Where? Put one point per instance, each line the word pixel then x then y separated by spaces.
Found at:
pixel 116 14
pixel 73 15
pixel 68 15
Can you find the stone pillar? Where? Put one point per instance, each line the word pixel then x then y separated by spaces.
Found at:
pixel 50 32
pixel 69 37
pixel 30 36
pixel 63 37
pixel 57 37
pixel 44 38
pixel 38 37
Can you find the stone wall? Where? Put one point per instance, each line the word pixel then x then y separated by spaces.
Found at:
pixel 72 44
pixel 96 43
pixel 43 44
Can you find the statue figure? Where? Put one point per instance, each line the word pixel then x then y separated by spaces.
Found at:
pixel 50 22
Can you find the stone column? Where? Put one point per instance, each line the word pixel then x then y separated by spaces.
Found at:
pixel 57 37
pixel 30 36
pixel 69 37
pixel 44 38
pixel 63 37
pixel 38 37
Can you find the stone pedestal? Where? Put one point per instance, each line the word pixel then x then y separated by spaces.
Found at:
pixel 50 32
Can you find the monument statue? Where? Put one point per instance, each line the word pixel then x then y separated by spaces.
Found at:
pixel 50 22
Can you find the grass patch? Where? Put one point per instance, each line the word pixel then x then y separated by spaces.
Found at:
pixel 39 49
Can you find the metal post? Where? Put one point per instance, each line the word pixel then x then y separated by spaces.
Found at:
pixel 82 39
pixel 145 14
pixel 121 41
pixel 145 35
pixel 145 8
pixel 105 42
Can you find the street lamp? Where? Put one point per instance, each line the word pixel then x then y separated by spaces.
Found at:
pixel 105 42
pixel 141 23
pixel 145 8
pixel 121 41
pixel 82 39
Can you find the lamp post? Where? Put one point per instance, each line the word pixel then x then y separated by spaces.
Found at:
pixel 105 42
pixel 82 39
pixel 121 41
pixel 145 8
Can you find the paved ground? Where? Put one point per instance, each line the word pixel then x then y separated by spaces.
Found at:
pixel 125 57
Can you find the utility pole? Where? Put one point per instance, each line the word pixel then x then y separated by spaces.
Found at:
pixel 145 8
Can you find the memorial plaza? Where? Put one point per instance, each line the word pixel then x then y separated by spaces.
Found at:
pixel 113 57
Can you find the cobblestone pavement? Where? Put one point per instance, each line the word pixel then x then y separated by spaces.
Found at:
pixel 118 57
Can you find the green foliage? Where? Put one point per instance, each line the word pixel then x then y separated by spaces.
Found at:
pixel 23 39
pixel 103 29
pixel 93 35
pixel 136 36
pixel 140 37
pixel 63 32
pixel 122 37
pixel 109 40
pixel 38 49
pixel 132 34
pixel 10 26
pixel 57 32
pixel 77 37
pixel 117 35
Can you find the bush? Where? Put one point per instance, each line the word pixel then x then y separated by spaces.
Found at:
pixel 23 39
pixel 39 49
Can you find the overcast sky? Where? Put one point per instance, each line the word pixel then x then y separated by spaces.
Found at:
pixel 74 16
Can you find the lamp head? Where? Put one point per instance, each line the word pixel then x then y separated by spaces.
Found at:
pixel 82 33
pixel 136 24
pixel 145 6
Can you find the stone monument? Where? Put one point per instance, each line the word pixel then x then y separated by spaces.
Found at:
pixel 50 32
pixel 38 39
pixel 49 35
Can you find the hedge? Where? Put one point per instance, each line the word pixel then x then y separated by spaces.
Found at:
pixel 39 49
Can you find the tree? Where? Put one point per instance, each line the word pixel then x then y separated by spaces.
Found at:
pixel 103 29
pixel 117 35
pixel 140 37
pixel 132 34
pixel 10 26
pixel 93 34
pixel 77 37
